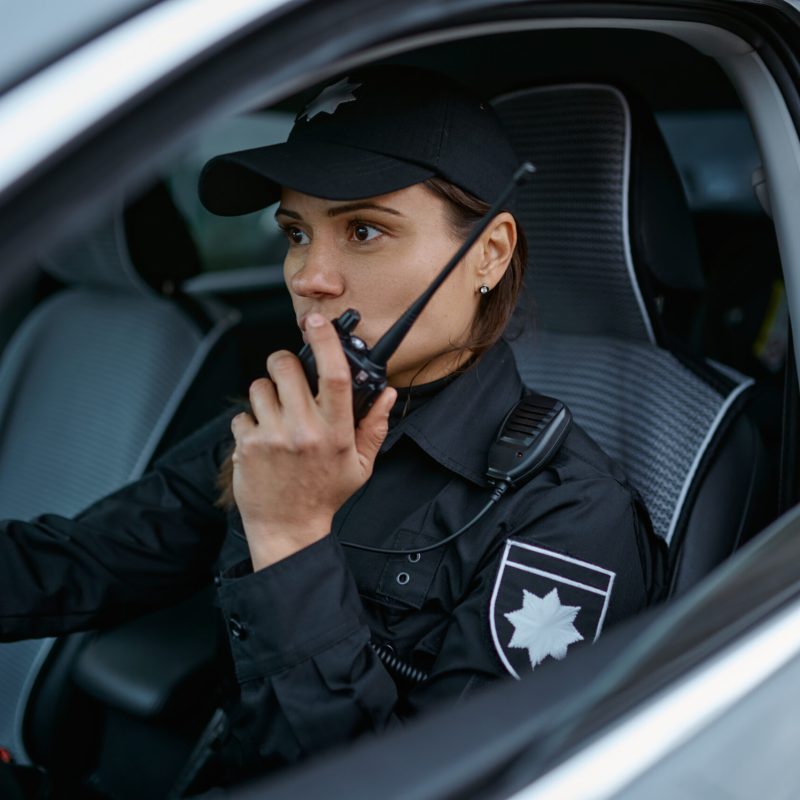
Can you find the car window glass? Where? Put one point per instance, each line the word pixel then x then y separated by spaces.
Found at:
pixel 224 243
pixel 716 154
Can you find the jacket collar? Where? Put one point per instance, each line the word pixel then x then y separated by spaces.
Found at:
pixel 458 425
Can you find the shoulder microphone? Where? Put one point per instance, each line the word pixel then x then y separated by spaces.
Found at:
pixel 368 367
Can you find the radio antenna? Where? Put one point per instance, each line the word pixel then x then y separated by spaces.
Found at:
pixel 388 343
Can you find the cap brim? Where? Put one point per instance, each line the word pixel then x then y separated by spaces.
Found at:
pixel 246 181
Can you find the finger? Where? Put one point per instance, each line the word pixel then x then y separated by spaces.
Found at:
pixel 263 400
pixel 240 425
pixel 374 426
pixel 335 396
pixel 293 393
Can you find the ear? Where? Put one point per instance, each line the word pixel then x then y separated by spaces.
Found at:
pixel 497 246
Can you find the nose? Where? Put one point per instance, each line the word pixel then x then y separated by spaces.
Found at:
pixel 317 273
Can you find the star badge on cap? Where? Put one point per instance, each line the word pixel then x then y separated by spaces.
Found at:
pixel 330 98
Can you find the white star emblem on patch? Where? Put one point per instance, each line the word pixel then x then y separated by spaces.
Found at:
pixel 543 626
pixel 330 98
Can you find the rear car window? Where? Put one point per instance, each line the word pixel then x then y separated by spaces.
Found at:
pixel 226 243
pixel 716 155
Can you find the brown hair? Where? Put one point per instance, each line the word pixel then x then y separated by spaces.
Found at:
pixel 496 308
pixel 494 311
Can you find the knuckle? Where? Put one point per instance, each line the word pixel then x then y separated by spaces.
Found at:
pixel 257 388
pixel 245 445
pixel 337 379
pixel 238 421
pixel 259 385
pixel 280 363
pixel 276 440
pixel 305 441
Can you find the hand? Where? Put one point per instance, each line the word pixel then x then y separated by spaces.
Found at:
pixel 298 458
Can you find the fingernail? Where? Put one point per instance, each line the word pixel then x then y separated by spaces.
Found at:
pixel 315 320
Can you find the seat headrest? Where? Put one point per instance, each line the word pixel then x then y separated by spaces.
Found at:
pixel 662 234
pixel 605 214
pixel 143 247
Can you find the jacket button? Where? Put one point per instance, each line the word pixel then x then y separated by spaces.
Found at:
pixel 237 629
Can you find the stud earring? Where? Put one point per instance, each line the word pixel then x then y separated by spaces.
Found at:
pixel 484 290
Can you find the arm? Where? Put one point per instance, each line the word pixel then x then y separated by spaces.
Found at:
pixel 147 544
pixel 296 619
pixel 308 678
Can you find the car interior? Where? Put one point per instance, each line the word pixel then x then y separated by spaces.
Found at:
pixel 654 307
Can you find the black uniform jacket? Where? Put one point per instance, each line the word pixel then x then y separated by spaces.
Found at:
pixel 551 565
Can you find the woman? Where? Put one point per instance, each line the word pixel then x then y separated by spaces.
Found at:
pixel 384 173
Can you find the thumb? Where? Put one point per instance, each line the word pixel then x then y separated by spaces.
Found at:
pixel 372 429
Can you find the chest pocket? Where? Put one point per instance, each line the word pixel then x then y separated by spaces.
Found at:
pixel 406 580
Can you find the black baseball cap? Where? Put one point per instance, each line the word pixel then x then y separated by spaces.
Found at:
pixel 371 132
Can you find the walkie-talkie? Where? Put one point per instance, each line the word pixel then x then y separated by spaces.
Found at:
pixel 368 367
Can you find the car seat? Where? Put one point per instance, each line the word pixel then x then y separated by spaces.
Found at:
pixel 92 382
pixel 607 224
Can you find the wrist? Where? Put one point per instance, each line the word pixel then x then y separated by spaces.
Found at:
pixel 269 544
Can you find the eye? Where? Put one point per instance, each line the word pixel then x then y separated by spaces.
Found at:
pixel 295 235
pixel 362 232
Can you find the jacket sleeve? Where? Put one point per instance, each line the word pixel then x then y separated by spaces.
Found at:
pixel 308 678
pixel 141 547
pixel 300 644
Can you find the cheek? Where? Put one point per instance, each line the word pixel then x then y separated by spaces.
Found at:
pixel 384 287
pixel 291 265
pixel 452 300
pixel 450 313
pixel 445 322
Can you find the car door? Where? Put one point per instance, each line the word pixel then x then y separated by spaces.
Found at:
pixel 59 169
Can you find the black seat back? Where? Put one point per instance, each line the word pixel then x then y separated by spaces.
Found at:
pixel 90 384
pixel 608 227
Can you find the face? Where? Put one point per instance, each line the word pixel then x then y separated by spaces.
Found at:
pixel 377 255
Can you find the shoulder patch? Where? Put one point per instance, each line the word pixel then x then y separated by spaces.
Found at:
pixel 542 603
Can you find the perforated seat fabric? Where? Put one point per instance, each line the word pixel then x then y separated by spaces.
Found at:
pixel 645 408
pixel 88 385
pixel 575 209
pixel 76 419
pixel 588 338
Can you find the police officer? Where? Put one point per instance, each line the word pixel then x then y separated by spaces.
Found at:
pixel 382 175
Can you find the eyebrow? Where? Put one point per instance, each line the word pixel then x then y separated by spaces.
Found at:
pixel 345 209
pixel 332 212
